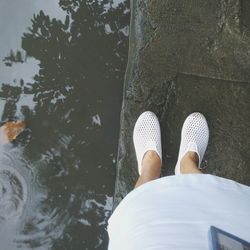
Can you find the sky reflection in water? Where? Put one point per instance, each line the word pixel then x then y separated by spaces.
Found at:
pixel 62 71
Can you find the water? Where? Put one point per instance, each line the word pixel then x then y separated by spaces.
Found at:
pixel 61 69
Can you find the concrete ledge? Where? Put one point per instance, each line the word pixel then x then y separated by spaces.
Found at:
pixel 188 56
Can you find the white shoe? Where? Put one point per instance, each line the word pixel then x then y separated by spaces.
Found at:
pixel 147 136
pixel 194 137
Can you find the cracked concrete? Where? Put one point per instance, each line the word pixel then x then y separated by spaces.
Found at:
pixel 188 56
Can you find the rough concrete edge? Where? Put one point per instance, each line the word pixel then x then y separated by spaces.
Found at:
pixel 133 44
pixel 140 34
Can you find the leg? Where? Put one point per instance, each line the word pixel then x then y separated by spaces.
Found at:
pixel 151 168
pixel 189 164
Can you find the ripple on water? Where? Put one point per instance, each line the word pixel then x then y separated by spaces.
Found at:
pixel 13 187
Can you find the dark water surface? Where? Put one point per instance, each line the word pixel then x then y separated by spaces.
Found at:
pixel 62 65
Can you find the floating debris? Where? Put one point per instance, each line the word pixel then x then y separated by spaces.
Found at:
pixel 96 120
pixel 10 130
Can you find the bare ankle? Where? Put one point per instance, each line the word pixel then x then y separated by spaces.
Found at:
pixel 190 163
pixel 151 162
pixel 192 156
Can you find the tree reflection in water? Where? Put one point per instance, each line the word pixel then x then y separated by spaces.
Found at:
pixel 75 122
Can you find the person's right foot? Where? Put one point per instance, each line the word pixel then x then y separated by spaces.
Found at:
pixel 194 140
pixel 189 163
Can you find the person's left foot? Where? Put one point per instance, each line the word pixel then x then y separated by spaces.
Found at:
pixel 151 160
pixel 150 169
pixel 147 137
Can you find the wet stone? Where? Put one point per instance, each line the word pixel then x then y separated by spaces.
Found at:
pixel 186 57
pixel 245 10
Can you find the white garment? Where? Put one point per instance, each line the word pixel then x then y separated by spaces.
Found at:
pixel 176 212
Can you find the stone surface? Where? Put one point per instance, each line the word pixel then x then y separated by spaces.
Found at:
pixel 188 56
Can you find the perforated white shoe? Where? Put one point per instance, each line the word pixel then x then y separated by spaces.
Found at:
pixel 194 137
pixel 146 136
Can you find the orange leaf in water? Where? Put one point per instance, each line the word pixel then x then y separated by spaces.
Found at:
pixel 10 130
